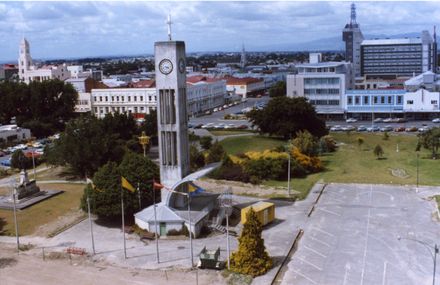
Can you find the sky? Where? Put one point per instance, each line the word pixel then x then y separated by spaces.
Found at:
pixel 82 29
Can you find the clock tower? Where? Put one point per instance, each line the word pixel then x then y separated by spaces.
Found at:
pixel 172 118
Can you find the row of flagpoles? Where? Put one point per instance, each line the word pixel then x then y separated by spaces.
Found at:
pixel 125 184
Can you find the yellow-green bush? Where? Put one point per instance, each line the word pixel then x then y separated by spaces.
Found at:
pixel 251 258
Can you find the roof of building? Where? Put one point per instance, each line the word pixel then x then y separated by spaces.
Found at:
pixel 9 66
pixel 242 81
pixel 420 79
pixel 150 83
pixel 163 214
pixel 202 79
pixel 322 64
pixel 392 41
pixel 79 79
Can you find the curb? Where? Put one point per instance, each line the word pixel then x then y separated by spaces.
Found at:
pixel 317 200
pixel 289 254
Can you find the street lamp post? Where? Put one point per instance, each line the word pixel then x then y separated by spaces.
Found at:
pixel 433 255
pixel 417 176
pixel 144 140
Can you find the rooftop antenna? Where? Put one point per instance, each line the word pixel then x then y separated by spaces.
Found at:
pixel 169 26
pixel 353 14
pixel 435 35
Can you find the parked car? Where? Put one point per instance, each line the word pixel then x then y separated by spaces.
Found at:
pixel 243 127
pixel 336 128
pixel 230 126
pixel 386 129
pixel 411 129
pixel 388 120
pixel 401 120
pixel 219 126
pixel 6 162
pixel 399 129
pixel 436 120
pixel 347 128
pixel 373 129
pixel 362 129
pixel 378 120
pixel 207 126
pixel 198 126
pixel 351 120
pixel 423 129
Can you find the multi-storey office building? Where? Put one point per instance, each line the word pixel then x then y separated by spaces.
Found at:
pixel 352 36
pixel 390 58
pixel 323 84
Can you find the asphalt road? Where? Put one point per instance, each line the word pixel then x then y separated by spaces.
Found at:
pixel 217 117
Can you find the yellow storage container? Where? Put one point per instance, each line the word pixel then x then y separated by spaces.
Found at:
pixel 265 212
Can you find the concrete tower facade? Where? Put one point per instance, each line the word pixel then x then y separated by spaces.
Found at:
pixel 352 36
pixel 24 59
pixel 172 112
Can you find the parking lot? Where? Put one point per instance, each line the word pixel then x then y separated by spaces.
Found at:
pixel 352 237
pixel 382 125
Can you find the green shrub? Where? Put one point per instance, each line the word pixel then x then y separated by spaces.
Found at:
pixel 306 143
pixel 215 153
pixel 206 142
pixel 327 144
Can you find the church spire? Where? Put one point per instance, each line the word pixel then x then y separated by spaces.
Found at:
pixel 243 57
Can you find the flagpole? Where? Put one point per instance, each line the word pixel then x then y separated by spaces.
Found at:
pixel 155 224
pixel 139 196
pixel 123 222
pixel 91 223
pixel 190 232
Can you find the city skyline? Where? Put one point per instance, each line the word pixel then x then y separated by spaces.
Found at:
pixel 85 29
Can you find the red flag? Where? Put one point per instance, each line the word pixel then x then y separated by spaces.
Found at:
pixel 157 186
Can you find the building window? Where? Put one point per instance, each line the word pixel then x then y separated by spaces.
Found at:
pixel 350 100
pixel 106 99
pixel 100 98
pixel 117 98
pixel 135 98
pixel 141 98
pixel 434 102
pixel 149 98
pixel 409 102
pixel 122 98
pixel 389 99
pixel 357 100
pixel 399 99
pixel 375 99
pixel 365 100
pixel 129 98
pixel 382 99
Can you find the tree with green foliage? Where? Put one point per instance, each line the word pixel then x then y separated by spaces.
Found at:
pixel 44 107
pixel 285 116
pixel 378 151
pixel 106 197
pixel 20 161
pixel 386 136
pixel 306 143
pixel 278 90
pixel 206 142
pixel 431 140
pixel 251 258
pixel 149 126
pixel 215 153
pixel 196 158
pixel 85 146
pixel 360 142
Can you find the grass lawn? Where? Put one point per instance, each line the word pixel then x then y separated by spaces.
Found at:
pixel 354 164
pixel 249 143
pixel 229 132
pixel 44 212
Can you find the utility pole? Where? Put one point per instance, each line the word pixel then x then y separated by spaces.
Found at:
pixel 91 223
pixel 16 223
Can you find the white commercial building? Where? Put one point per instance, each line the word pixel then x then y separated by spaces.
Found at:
pixel 10 133
pixel 29 72
pixel 203 94
pixel 421 101
pixel 323 84
pixel 123 100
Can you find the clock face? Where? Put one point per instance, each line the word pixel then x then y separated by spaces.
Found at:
pixel 181 65
pixel 165 66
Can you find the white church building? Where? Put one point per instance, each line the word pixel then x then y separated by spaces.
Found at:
pixel 28 72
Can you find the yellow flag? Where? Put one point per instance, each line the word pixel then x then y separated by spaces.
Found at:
pixel 125 184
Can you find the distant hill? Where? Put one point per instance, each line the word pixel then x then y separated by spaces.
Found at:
pixel 327 44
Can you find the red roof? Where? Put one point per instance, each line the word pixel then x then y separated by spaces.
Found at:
pixel 10 66
pixel 144 84
pixel 201 78
pixel 242 81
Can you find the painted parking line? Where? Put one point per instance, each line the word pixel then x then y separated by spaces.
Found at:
pixel 320 241
pixel 323 231
pixel 328 211
pixel 315 251
pixel 309 263
pixel 302 275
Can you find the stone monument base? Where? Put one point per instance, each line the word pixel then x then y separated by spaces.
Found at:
pixel 7 203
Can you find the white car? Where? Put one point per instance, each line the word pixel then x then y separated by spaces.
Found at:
pixel 230 126
pixel 351 120
pixel 388 120
pixel 436 120
pixel 208 125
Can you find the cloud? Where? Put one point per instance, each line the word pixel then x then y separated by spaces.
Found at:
pixel 78 29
